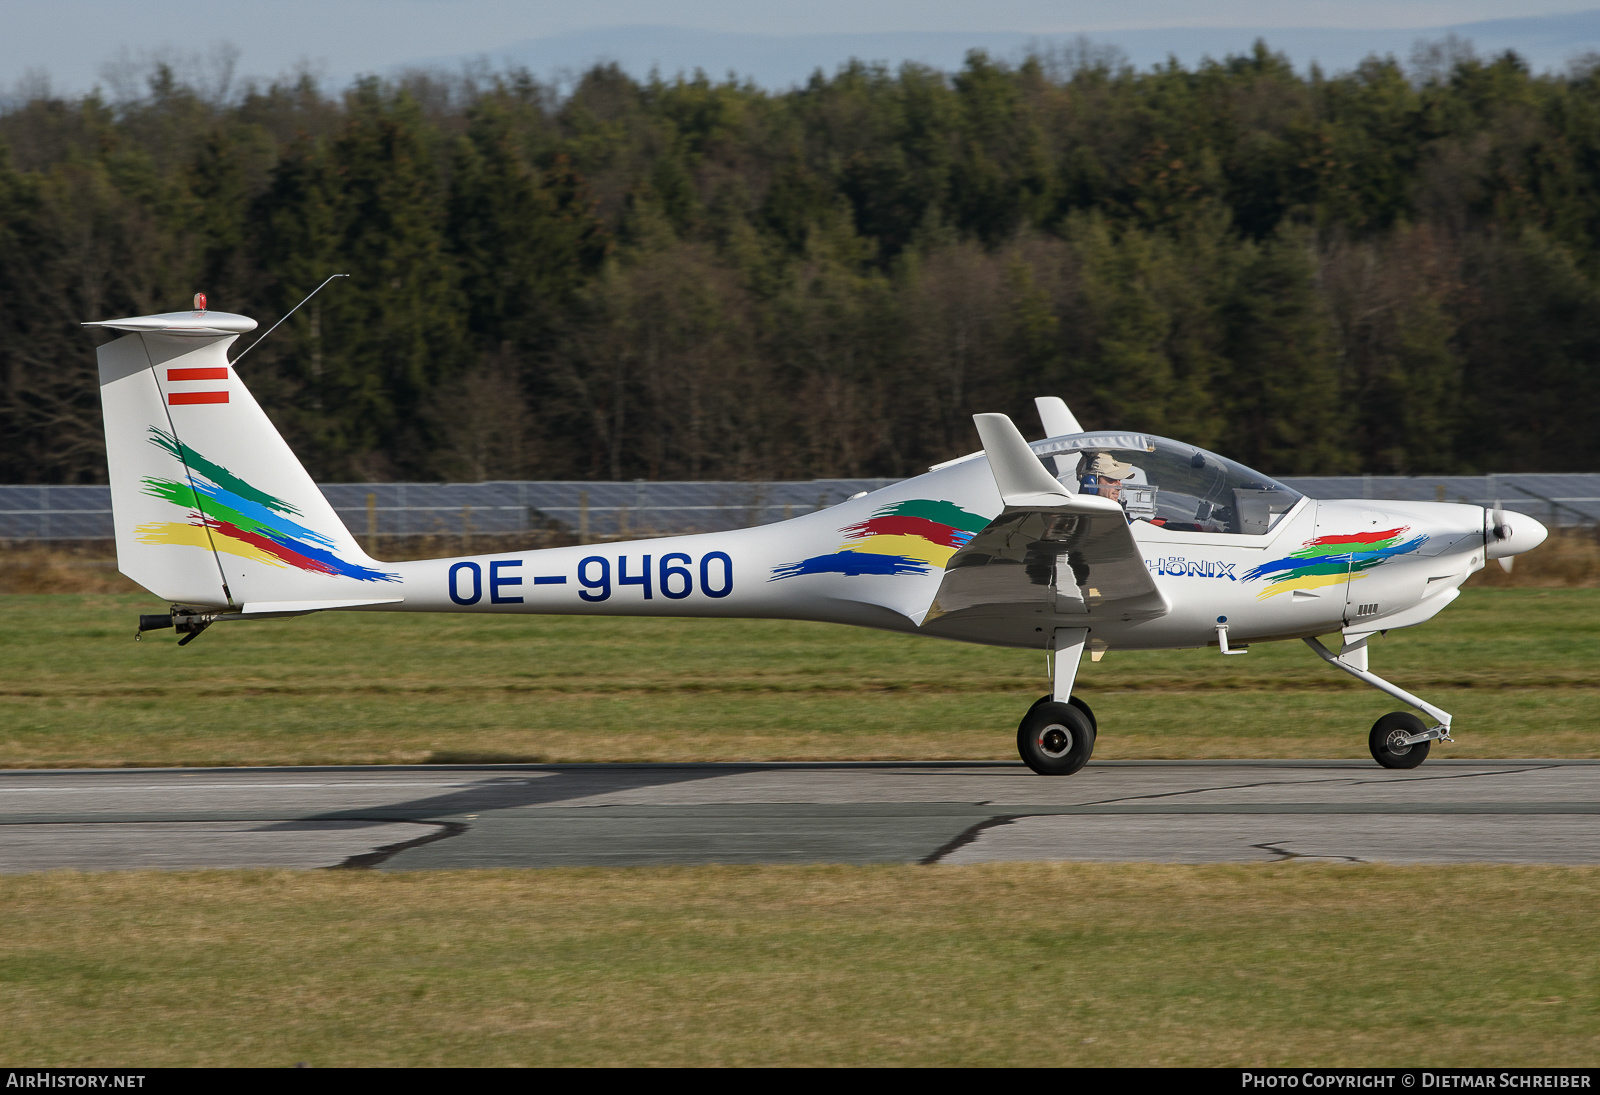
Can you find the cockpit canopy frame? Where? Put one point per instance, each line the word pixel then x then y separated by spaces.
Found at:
pixel 1173 485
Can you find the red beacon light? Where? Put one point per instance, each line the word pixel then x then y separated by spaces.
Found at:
pixel 199 302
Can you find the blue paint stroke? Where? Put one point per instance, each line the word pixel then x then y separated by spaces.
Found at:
pixel 1360 560
pixel 277 523
pixel 852 563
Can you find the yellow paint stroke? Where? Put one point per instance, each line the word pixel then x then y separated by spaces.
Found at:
pixel 1310 581
pixel 912 547
pixel 179 534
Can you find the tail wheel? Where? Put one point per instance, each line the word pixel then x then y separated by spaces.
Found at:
pixel 1055 739
pixel 1387 741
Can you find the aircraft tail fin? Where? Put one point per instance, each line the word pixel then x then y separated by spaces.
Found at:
pixel 210 505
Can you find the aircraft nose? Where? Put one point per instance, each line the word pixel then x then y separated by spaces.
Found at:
pixel 1519 533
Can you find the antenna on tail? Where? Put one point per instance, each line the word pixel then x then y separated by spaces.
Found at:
pixel 200 302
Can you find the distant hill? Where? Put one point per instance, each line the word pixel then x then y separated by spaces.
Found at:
pixel 778 61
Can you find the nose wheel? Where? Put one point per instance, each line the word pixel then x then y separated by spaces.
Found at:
pixel 1399 739
pixel 1389 741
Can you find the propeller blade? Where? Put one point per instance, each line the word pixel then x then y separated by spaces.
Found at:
pixel 1505 562
pixel 1501 529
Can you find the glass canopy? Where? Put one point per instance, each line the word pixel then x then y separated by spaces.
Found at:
pixel 1168 483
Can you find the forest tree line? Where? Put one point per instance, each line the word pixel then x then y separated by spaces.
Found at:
pixel 1392 270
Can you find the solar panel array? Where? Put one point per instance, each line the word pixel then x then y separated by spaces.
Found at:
pixel 591 509
pixel 1563 499
pixel 610 510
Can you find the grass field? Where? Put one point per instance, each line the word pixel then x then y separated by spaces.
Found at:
pixel 1022 964
pixel 1516 667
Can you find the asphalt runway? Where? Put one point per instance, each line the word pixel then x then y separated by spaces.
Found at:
pixel 409 818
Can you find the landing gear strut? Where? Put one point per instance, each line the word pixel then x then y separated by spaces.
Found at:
pixel 1056 736
pixel 1399 739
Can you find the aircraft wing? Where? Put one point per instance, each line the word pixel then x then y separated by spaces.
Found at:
pixel 1051 559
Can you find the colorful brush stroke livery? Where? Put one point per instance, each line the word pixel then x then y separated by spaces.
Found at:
pixel 1330 560
pixel 228 514
pixel 910 537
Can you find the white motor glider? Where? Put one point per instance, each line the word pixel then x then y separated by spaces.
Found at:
pixel 1102 540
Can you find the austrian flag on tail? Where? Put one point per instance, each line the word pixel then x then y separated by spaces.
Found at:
pixel 190 398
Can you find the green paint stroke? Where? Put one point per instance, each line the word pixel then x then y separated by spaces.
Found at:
pixel 946 513
pixel 1306 571
pixel 1324 551
pixel 178 493
pixel 218 474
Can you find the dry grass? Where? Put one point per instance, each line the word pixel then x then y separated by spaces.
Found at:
pixel 1022 964
pixel 459 729
pixel 1569 559
pixel 89 567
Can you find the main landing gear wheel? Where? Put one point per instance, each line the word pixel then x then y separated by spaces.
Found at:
pixel 1094 724
pixel 1055 739
pixel 1387 745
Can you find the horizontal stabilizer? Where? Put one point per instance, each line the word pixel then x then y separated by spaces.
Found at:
pixel 300 608
pixel 182 323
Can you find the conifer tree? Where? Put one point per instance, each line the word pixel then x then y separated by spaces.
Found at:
pixel 1281 391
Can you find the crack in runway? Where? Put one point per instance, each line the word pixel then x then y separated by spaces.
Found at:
pixel 968 835
pixel 1349 781
pixel 1284 855
pixel 366 861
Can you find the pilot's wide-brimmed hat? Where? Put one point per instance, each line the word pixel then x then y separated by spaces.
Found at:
pixel 1109 467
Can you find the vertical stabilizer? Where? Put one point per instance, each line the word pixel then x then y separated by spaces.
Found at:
pixel 210 505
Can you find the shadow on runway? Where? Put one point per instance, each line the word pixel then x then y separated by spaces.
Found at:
pixel 509 792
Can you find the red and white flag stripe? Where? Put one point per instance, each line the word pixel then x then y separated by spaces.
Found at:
pixel 184 399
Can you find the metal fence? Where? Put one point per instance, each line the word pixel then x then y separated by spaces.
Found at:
pixel 608 510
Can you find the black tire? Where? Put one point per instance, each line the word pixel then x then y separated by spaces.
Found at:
pixel 1397 724
pixel 1055 739
pixel 1094 723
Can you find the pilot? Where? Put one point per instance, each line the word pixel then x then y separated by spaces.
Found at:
pixel 1103 475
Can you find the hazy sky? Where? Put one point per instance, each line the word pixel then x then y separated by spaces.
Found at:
pixel 74 40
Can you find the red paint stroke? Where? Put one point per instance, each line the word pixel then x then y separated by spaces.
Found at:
pixel 1357 537
pixel 931 531
pixel 197 374
pixel 184 399
pixel 271 547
